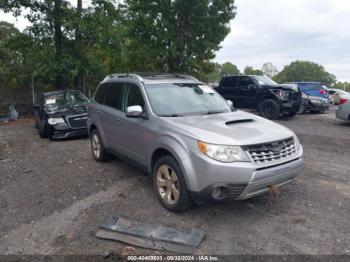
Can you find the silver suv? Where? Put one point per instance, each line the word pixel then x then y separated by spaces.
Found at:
pixel 192 141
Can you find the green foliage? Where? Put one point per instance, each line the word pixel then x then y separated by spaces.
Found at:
pixel 342 85
pixel 229 69
pixel 248 70
pixel 67 45
pixel 305 71
pixel 176 35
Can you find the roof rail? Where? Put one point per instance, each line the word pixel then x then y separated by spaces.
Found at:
pixel 132 76
pixel 140 76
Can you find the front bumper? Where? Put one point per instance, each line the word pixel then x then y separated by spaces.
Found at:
pixel 318 105
pixel 290 107
pixel 68 133
pixel 343 112
pixel 239 180
pixel 66 130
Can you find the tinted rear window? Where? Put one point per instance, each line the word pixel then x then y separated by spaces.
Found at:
pixel 229 81
pixel 311 86
pixel 114 96
pixel 101 93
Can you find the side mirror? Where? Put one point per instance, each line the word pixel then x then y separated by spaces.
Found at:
pixel 251 87
pixel 134 112
pixel 230 103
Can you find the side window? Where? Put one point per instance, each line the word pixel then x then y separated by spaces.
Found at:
pixel 229 82
pixel 133 96
pixel 114 96
pixel 101 93
pixel 244 82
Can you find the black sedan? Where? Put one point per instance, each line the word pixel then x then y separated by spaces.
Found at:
pixel 61 114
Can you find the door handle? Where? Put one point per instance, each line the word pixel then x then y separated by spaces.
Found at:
pixel 118 120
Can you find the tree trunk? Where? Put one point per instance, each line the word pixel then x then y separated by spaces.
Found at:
pixel 79 76
pixel 58 41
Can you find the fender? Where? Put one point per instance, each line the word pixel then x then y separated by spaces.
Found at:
pixel 175 146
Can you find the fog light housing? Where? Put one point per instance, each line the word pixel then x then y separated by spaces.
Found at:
pixel 216 193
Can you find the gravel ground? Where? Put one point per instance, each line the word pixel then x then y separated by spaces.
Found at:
pixel 53 196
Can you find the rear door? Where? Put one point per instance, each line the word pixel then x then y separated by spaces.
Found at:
pixel 113 115
pixel 247 91
pixel 228 88
pixel 97 109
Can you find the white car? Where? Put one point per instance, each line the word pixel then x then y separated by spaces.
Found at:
pixel 343 111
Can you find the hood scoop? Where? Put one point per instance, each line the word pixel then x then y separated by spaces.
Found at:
pixel 240 121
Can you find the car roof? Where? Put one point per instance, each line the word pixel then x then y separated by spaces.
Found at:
pixel 305 82
pixel 152 78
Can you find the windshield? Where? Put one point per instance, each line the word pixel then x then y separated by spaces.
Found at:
pixel 174 100
pixel 66 99
pixel 264 80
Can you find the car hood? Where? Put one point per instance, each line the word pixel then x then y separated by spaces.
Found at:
pixel 65 111
pixel 284 87
pixel 234 128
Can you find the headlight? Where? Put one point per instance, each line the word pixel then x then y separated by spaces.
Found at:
pixel 282 94
pixel 297 143
pixel 223 153
pixel 55 120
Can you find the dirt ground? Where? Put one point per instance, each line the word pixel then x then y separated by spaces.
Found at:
pixel 53 197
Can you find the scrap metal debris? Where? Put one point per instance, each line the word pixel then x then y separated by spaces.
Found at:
pixel 274 193
pixel 183 241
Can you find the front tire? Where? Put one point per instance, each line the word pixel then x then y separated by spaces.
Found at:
pixel 269 109
pixel 170 185
pixel 99 152
pixel 44 130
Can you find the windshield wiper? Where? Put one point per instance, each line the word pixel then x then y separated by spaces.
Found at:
pixel 171 115
pixel 214 112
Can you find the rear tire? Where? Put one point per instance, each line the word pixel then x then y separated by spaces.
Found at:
pixel 170 185
pixel 269 109
pixel 99 152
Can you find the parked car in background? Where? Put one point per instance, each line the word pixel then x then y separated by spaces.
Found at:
pixel 337 94
pixel 315 97
pixel 61 114
pixel 343 110
pixel 261 93
pixel 194 144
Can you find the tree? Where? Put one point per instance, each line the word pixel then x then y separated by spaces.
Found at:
pixel 229 69
pixel 269 70
pixel 249 70
pixel 305 71
pixel 179 35
pixel 342 85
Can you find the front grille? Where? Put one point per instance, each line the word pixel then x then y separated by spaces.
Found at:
pixel 271 152
pixel 77 121
pixel 235 190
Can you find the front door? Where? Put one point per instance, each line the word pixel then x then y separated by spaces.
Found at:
pixel 134 131
pixel 247 92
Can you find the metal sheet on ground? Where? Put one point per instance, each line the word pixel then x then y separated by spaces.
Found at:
pixel 144 242
pixel 165 237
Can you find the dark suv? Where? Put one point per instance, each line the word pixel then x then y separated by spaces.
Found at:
pixel 260 92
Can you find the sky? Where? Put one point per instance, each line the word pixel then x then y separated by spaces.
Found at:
pixel 281 32
pixel 284 31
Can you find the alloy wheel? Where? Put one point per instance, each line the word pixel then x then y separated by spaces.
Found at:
pixel 168 184
pixel 96 146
